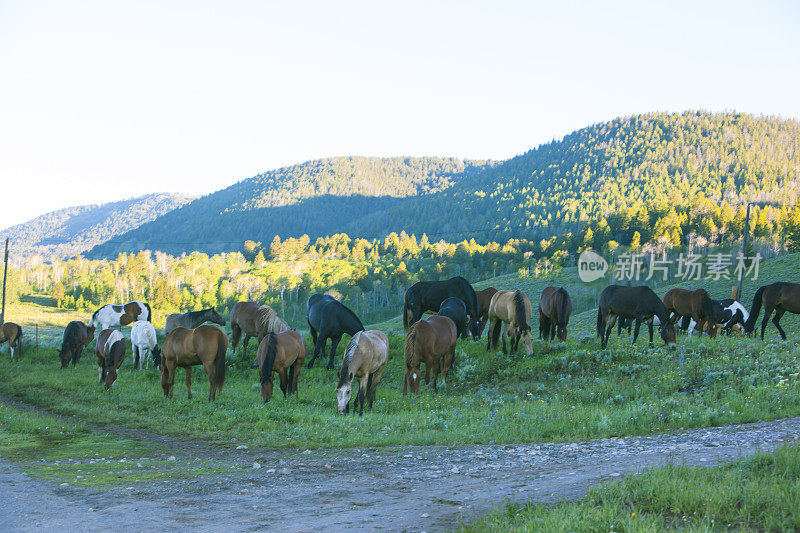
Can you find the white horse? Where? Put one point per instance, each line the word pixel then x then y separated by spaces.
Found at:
pixel 145 345
pixel 120 315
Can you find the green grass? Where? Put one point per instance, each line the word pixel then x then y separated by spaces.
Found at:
pixel 761 493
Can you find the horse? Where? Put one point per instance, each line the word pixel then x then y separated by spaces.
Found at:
pixel 456 310
pixel 513 309
pixel 145 344
pixel 329 319
pixel 120 315
pixel 696 304
pixel 426 297
pixel 11 333
pixel 555 307
pixel 252 319
pixel 192 319
pixel 484 300
pixel 76 337
pixel 204 345
pixel 278 352
pixel 364 360
pixel 739 314
pixel 730 314
pixel 779 297
pixel 639 303
pixel 431 341
pixel 110 354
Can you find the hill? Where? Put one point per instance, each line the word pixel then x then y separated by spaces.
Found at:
pixel 68 232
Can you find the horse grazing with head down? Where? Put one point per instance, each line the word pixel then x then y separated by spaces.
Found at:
pixel 76 337
pixel 555 307
pixel 427 296
pixel 513 309
pixel 254 321
pixel 110 354
pixel 639 303
pixel 204 345
pixel 111 315
pixel 283 353
pixel 779 297
pixel 431 341
pixel 484 301
pixel 11 333
pixel 192 319
pixel 328 318
pixel 364 360
pixel 697 305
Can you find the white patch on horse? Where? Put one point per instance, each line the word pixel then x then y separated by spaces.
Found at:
pixel 414 376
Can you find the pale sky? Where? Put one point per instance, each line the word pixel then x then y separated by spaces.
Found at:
pixel 106 100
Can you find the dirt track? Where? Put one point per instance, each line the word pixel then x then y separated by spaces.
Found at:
pixel 395 489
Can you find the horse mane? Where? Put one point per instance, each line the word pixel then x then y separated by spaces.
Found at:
pixel 269 359
pixel 348 359
pixel 265 314
pixel 409 345
pixel 352 314
pixel 562 310
pixel 519 309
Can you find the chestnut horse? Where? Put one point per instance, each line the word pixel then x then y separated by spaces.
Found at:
pixel 76 337
pixel 555 307
pixel 779 297
pixel 695 304
pixel 484 301
pixel 120 315
pixel 255 321
pixel 204 345
pixel 192 319
pixel 283 353
pixel 364 360
pixel 639 303
pixel 11 333
pixel 110 354
pixel 512 308
pixel 431 341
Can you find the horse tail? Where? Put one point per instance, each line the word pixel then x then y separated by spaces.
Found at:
pixel 149 312
pixel 495 333
pixel 19 339
pixel 269 359
pixel 562 312
pixel 755 309
pixel 219 363
pixel 519 310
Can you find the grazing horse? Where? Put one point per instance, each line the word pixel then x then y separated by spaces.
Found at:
pixel 76 337
pixel 456 310
pixel 120 315
pixel 696 304
pixel 513 309
pixel 11 333
pixel 779 297
pixel 431 341
pixel 110 354
pixel 364 360
pixel 329 319
pixel 145 345
pixel 555 307
pixel 426 297
pixel 283 353
pixel 639 303
pixel 738 315
pixel 204 345
pixel 252 319
pixel 192 319
pixel 484 300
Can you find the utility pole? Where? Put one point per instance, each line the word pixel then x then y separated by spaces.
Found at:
pixel 5 274
pixel 744 252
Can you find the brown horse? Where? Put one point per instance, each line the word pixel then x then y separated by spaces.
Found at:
pixel 639 303
pixel 204 345
pixel 513 309
pixel 364 359
pixel 255 321
pixel 555 307
pixel 696 305
pixel 431 341
pixel 779 297
pixel 11 333
pixel 76 337
pixel 120 315
pixel 484 301
pixel 283 353
pixel 110 354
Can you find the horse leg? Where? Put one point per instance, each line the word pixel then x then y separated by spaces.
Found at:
pixel 650 331
pixel 296 366
pixel 504 335
pixel 236 334
pixel 334 345
pixel 609 325
pixel 244 346
pixel 212 384
pixel 767 313
pixel 777 321
pixel 405 383
pixel 189 381
pixel 362 392
pixel 636 328
pixel 374 379
pixel 284 381
pixel 437 365
pixel 318 346
pixel 135 357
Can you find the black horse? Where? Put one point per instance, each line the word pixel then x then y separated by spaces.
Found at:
pixel 328 318
pixel 639 303
pixel 456 310
pixel 427 296
pixel 76 337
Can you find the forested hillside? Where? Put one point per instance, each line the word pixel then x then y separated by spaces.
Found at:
pixel 67 232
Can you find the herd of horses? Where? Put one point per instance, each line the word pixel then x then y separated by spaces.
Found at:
pixel 457 312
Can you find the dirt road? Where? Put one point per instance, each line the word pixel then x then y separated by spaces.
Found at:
pixel 394 489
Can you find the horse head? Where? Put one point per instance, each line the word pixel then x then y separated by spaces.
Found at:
pixel 414 376
pixel 156 353
pixel 475 328
pixel 216 318
pixel 561 332
pixel 668 333
pixel 109 375
pixel 527 340
pixel 343 397
pixel 65 357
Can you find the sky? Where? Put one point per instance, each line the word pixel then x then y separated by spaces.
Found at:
pixel 101 101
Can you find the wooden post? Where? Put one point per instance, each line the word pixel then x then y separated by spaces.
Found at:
pixel 5 273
